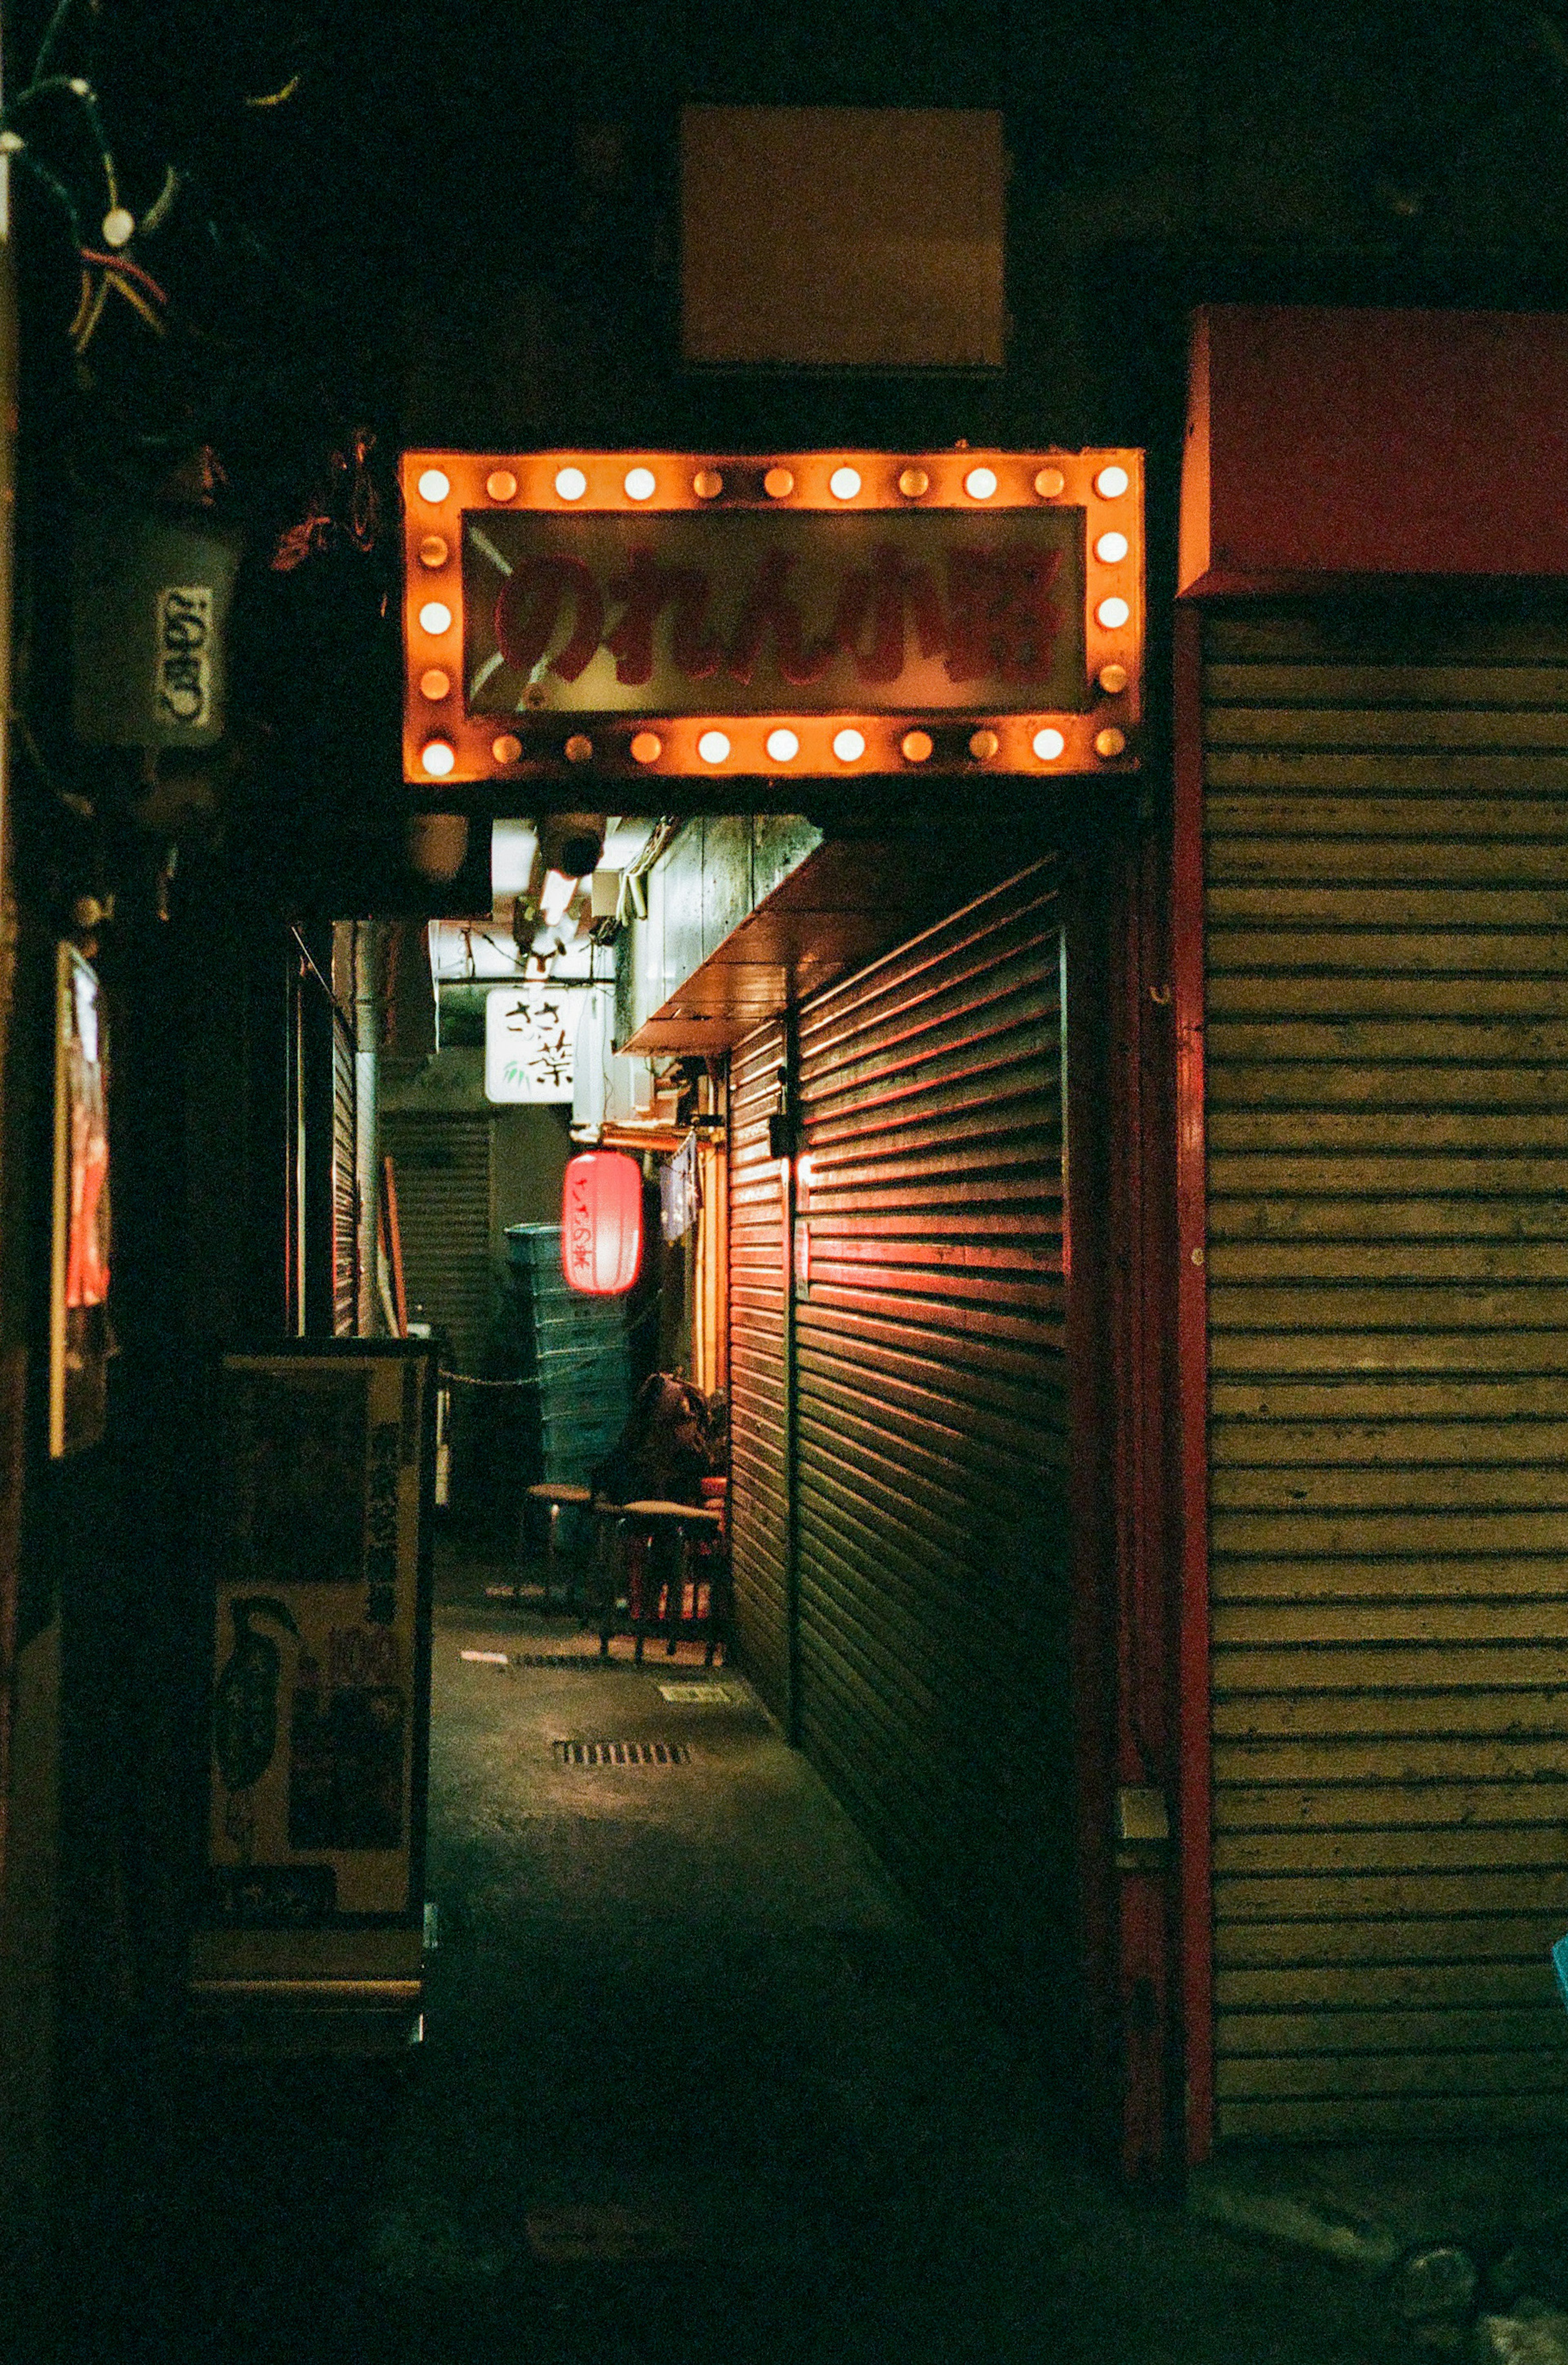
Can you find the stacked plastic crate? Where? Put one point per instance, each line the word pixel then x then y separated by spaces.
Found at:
pixel 578 1356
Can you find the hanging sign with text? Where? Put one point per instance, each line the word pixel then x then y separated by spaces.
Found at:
pixel 823 613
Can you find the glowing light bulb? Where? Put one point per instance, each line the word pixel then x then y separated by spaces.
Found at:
pixel 1110 743
pixel 1111 549
pixel 779 484
pixel 1050 484
pixel 570 484
pixel 438 757
pixel 435 486
pixel 502 485
pixel 912 482
pixel 434 682
pixel 783 746
pixel 849 746
pixel 435 616
pixel 1113 614
pixel 646 747
pixel 983 746
pixel 432 550
pixel 1048 746
pixel 714 747
pixel 980 484
pixel 917 746
pixel 641 484
pixel 507 748
pixel 1112 679
pixel 1111 484
pixel 706 484
pixel 844 484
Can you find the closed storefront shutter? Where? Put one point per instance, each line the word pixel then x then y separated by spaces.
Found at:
pixel 442 1168
pixel 1387 929
pixel 759 1411
pixel 933 1536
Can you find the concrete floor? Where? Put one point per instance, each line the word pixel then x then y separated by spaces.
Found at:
pixel 696 2090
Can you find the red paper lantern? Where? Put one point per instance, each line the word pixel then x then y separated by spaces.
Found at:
pixel 601 1222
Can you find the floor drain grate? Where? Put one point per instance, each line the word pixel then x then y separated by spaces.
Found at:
pixel 623 1753
pixel 557 1659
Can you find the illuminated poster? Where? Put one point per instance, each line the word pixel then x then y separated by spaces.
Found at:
pixel 320 1671
pixel 80 1336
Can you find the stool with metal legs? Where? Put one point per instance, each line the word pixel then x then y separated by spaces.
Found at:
pixel 552 1495
pixel 641 1524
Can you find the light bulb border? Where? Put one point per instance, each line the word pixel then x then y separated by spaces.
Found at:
pixel 1025 480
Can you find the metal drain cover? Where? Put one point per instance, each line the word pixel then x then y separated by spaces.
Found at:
pixel 621 1753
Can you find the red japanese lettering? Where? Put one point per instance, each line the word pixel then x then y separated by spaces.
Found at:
pixel 528 614
pixel 894 587
pixel 647 590
pixel 1001 617
pixel 769 608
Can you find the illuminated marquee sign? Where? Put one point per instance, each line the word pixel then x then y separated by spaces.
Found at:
pixel 822 613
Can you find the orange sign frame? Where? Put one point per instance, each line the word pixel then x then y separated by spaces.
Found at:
pixel 446 743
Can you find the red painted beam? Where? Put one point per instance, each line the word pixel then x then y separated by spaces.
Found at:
pixel 1194 1805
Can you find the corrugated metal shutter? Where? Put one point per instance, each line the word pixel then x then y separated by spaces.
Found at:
pixel 345 1186
pixel 1387 915
pixel 934 1529
pixel 758 1406
pixel 443 1166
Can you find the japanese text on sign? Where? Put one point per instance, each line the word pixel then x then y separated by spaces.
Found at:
pixel 742 613
pixel 529 1042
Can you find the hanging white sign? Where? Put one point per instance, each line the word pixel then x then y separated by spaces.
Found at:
pixel 530 1034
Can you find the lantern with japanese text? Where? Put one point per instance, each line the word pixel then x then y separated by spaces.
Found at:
pixel 601 1222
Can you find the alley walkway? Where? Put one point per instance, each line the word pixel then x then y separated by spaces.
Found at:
pixel 695 2090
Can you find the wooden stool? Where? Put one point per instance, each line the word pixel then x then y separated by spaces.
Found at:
pixel 549 1492
pixel 639 1525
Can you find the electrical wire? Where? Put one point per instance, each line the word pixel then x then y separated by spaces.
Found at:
pixel 158 211
pixel 137 302
pixel 278 97
pixel 124 266
pixel 55 28
pixel 94 314
pixel 86 98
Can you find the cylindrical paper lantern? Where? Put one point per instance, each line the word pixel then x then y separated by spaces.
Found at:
pixel 601 1222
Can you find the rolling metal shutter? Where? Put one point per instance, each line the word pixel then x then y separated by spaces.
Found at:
pixel 1387 916
pixel 442 1167
pixel 759 1451
pixel 933 1529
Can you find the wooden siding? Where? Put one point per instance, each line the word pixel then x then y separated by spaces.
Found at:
pixel 934 1528
pixel 760 1478
pixel 1387 1018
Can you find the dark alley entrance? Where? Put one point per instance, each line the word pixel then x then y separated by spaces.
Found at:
pixel 696 2089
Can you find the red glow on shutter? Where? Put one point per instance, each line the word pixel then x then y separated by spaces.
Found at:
pixel 601 1222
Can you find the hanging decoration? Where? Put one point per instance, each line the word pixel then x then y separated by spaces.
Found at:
pixel 601 1222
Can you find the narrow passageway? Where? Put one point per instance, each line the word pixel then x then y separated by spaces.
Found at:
pixel 695 2086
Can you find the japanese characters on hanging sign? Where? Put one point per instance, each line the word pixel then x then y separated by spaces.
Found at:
pixel 821 613
pixel 530 1042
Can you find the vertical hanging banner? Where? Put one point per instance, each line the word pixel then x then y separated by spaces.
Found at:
pixel 320 1564
pixel 79 1335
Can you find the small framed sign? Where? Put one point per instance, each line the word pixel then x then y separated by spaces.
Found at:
pixel 320 1558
